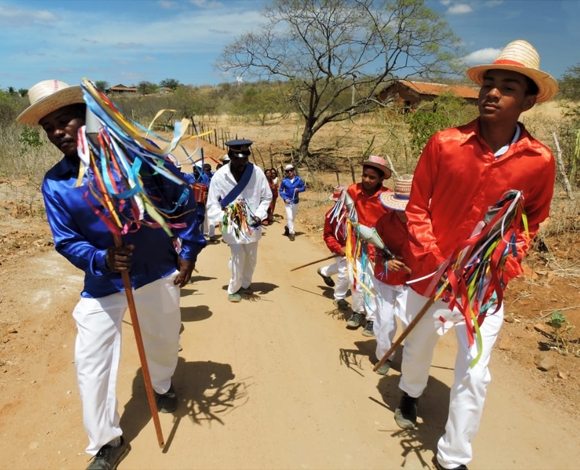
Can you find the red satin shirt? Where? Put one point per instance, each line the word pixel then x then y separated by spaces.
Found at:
pixel 457 178
pixel 395 235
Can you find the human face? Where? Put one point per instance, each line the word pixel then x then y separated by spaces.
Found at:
pixel 61 127
pixel 502 97
pixel 289 173
pixel 268 174
pixel 238 164
pixel 372 180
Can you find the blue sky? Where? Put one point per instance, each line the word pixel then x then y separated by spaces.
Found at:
pixel 127 41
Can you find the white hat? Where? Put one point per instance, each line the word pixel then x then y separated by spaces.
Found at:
pixel 288 167
pixel 519 56
pixel 225 159
pixel 48 96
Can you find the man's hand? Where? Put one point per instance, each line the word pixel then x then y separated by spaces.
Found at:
pixel 395 265
pixel 118 258
pixel 185 269
pixel 287 201
pixel 341 253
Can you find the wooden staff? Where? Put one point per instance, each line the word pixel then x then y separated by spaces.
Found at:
pixel 92 128
pixel 405 333
pixel 141 349
pixel 313 262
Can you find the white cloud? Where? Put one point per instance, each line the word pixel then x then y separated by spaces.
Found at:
pixel 459 9
pixel 20 17
pixel 482 56
pixel 206 3
pixel 445 2
pixel 168 4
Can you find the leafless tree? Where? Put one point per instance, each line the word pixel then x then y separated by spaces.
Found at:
pixel 336 55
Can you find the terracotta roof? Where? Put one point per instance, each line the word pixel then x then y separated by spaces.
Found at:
pixel 436 89
pixel 121 87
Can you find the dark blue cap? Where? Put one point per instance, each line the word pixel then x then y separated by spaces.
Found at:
pixel 239 148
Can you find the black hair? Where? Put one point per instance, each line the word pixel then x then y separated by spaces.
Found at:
pixel 531 87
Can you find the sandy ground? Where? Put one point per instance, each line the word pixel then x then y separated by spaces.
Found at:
pixel 274 382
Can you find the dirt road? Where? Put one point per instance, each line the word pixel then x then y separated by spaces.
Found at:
pixel 274 382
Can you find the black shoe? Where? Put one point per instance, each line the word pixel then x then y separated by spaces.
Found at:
pixel 109 457
pixel 439 467
pixel 286 231
pixel 369 331
pixel 355 320
pixel 327 279
pixel 166 402
pixel 292 237
pixel 406 412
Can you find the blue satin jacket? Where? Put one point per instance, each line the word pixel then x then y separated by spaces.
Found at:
pixel 82 238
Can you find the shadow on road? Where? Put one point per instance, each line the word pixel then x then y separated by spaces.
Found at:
pixel 433 407
pixel 197 313
pixel 206 393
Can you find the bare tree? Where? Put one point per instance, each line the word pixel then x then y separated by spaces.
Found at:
pixel 337 54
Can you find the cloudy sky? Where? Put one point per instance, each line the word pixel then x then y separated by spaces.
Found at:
pixel 127 41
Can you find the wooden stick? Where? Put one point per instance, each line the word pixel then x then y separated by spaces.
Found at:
pixel 141 349
pixel 562 169
pixel 405 333
pixel 314 262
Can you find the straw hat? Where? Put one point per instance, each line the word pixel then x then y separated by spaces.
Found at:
pixel 519 56
pixel 379 163
pixel 48 96
pixel 398 199
pixel 336 192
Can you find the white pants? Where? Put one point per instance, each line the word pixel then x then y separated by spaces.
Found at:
pixel 338 268
pixel 208 226
pixel 363 301
pixel 98 351
pixel 242 264
pixel 470 384
pixel 291 211
pixel 390 304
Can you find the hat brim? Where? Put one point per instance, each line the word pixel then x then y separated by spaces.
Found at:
pixel 547 85
pixel 50 103
pixel 389 200
pixel 378 166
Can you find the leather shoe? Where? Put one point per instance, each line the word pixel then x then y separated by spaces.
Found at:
pixel 108 457
pixel 438 466
pixel 166 402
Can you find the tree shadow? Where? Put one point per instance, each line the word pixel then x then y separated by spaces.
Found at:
pixel 206 394
pixel 197 313
pixel 354 359
pixel 433 408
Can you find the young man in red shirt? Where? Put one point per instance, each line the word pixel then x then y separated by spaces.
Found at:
pixel 461 173
pixel 365 196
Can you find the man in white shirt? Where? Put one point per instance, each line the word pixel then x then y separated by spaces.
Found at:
pixel 239 193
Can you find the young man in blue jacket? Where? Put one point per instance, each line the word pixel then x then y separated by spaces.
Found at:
pixel 291 186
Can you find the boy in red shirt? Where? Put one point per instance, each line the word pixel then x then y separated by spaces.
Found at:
pixel 463 171
pixel 365 196
pixel 335 240
pixel 391 272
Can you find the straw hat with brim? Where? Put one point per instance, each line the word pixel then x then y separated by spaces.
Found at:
pixel 48 96
pixel 398 199
pixel 519 56
pixel 337 192
pixel 379 163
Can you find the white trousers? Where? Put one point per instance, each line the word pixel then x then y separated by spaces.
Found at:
pixel 98 351
pixel 390 304
pixel 208 226
pixel 363 301
pixel 467 394
pixel 338 269
pixel 291 211
pixel 242 264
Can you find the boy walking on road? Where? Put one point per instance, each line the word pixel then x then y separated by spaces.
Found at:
pixel 461 173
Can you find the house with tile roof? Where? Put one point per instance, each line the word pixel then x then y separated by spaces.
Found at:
pixel 409 94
